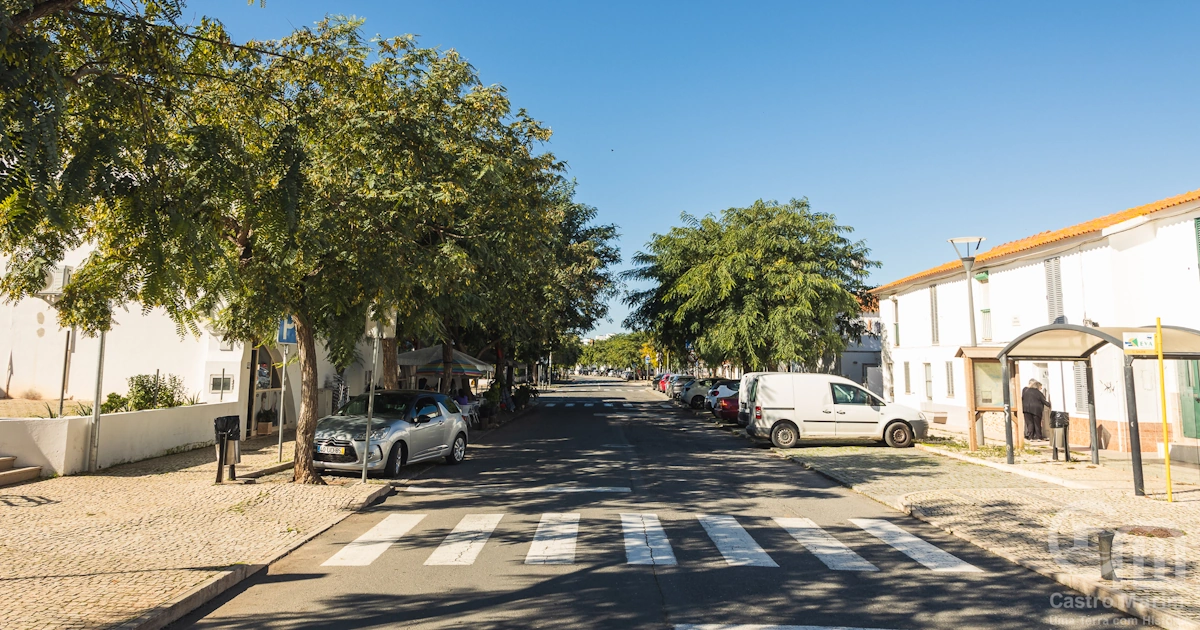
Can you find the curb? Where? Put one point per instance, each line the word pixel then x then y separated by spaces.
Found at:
pixel 209 589
pixel 1066 483
pixel 269 470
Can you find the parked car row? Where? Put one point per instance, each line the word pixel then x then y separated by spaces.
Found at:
pixel 786 407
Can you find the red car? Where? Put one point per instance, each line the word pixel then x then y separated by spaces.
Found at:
pixel 727 408
pixel 662 383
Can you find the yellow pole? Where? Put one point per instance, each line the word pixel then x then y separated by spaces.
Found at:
pixel 1162 393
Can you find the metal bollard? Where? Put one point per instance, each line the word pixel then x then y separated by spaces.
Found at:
pixel 1105 540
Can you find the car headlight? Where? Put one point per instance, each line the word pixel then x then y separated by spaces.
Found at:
pixel 921 415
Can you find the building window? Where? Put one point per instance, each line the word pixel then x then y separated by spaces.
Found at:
pixel 1054 297
pixel 896 321
pixel 226 345
pixel 928 381
pixel 986 316
pixel 949 379
pixel 933 314
pixel 907 379
pixel 220 383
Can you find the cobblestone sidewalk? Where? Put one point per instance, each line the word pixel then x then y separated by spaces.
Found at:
pixel 97 551
pixel 1045 527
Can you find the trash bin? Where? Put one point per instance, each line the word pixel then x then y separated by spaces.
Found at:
pixel 228 436
pixel 1060 424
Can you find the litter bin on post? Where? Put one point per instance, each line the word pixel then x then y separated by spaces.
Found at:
pixel 228 432
pixel 1059 425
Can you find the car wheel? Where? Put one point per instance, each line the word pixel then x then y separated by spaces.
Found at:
pixel 458 451
pixel 898 435
pixel 395 461
pixel 784 435
pixel 697 401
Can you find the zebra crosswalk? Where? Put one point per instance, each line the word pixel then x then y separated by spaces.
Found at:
pixel 592 403
pixel 647 542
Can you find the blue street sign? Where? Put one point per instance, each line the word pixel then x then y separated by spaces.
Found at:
pixel 287 331
pixel 647 360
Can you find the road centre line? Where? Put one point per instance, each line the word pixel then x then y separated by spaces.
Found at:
pixel 463 544
pixel 825 547
pixel 915 548
pixel 554 542
pixel 366 548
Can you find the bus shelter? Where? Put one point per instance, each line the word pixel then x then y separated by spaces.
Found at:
pixel 1069 342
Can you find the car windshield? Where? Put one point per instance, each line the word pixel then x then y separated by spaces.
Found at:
pixel 385 405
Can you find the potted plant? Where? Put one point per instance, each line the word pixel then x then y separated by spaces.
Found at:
pixel 265 421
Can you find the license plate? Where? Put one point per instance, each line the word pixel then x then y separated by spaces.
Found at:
pixel 331 450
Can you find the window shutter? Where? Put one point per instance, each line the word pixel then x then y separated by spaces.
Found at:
pixel 1054 297
pixel 949 379
pixel 907 379
pixel 986 316
pixel 933 314
pixel 1196 225
pixel 1080 373
pixel 928 381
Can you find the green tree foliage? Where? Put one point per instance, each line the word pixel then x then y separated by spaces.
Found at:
pixel 622 350
pixel 763 285
pixel 322 176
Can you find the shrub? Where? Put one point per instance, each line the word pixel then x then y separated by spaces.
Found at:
pixel 114 403
pixel 153 391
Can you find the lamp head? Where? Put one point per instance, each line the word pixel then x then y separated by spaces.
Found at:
pixel 970 246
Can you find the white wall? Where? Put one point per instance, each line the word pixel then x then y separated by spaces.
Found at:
pixel 60 445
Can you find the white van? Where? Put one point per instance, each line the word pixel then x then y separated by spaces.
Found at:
pixel 744 413
pixel 788 406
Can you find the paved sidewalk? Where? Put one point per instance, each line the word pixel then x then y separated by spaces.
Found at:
pixel 117 547
pixel 1045 527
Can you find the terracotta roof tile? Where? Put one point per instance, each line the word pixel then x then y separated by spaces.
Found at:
pixel 1046 238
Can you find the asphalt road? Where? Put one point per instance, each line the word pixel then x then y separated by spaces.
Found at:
pixel 529 532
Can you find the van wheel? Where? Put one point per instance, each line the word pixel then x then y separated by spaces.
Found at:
pixel 784 435
pixel 898 435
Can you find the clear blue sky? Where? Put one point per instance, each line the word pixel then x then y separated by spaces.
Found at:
pixel 911 121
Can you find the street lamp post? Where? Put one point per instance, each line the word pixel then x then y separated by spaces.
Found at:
pixel 968 260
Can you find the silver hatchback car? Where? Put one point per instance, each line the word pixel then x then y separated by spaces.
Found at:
pixel 407 426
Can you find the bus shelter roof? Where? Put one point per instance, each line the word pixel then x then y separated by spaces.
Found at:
pixel 1070 342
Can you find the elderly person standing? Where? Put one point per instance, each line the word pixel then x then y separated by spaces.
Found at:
pixel 1033 405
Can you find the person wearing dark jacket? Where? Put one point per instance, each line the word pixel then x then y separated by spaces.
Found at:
pixel 1033 404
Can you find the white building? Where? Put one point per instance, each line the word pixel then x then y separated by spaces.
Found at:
pixel 1122 269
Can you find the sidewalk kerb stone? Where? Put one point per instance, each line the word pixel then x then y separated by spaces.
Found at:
pixel 1016 470
pixel 269 470
pixel 213 587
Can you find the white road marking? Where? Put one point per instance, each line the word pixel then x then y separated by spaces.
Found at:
pixel 734 543
pixel 589 404
pixel 664 406
pixel 514 490
pixel 551 404
pixel 645 540
pixel 554 542
pixel 608 404
pixel 463 544
pixel 366 548
pixel 825 547
pixel 626 405
pixel 913 547
pixel 570 404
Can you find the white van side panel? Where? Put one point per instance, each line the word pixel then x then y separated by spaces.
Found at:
pixel 775 393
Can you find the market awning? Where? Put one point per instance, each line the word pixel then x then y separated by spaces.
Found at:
pixel 428 361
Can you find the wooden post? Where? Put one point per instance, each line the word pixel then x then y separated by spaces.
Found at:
pixel 972 413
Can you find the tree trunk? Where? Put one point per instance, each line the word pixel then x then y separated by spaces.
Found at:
pixel 306 427
pixel 391 371
pixel 447 365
